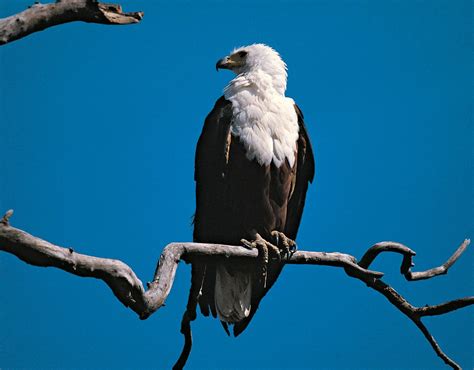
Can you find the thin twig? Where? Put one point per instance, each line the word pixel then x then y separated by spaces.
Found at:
pixel 188 342
pixel 440 270
pixel 447 360
pixel 446 307
pixel 407 262
pixel 6 217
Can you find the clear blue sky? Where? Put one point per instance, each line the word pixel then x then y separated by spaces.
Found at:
pixel 98 127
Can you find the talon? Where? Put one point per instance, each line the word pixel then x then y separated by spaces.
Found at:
pixel 270 253
pixel 264 250
pixel 286 245
pixel 275 251
pixel 292 252
pixel 286 253
pixel 247 244
pixel 263 260
pixel 277 238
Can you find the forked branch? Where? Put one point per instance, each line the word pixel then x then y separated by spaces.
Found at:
pixel 130 291
pixel 408 255
pixel 41 16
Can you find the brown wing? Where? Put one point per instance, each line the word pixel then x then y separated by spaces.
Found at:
pixel 209 171
pixel 304 175
pixel 211 192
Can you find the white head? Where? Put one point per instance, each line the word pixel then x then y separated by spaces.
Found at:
pixel 257 58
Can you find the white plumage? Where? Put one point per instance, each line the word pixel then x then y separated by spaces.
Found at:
pixel 266 123
pixel 263 118
pixel 233 294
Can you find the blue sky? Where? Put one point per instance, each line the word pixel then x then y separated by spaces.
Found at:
pixel 98 129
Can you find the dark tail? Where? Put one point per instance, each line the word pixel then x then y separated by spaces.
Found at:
pixel 258 292
pixel 207 300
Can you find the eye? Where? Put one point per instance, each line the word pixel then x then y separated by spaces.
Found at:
pixel 242 54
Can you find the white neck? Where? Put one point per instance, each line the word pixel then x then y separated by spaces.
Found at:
pixel 263 118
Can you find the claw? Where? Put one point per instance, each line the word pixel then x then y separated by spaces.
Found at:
pixel 263 259
pixel 286 245
pixel 276 235
pixel 247 244
pixel 266 251
pixel 273 250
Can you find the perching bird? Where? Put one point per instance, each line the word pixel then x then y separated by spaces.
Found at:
pixel 253 164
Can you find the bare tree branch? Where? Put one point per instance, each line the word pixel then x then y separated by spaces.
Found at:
pixel 408 255
pixel 441 309
pixel 447 360
pixel 130 291
pixel 41 16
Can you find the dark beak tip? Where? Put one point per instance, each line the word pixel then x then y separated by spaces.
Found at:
pixel 221 64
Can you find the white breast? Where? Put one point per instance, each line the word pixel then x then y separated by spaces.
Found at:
pixel 264 120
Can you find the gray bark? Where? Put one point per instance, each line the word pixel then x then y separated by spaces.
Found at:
pixel 41 16
pixel 130 291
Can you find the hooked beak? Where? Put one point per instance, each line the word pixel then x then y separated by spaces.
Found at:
pixel 224 63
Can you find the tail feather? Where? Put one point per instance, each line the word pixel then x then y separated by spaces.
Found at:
pixel 206 301
pixel 274 270
pixel 233 294
pixel 226 327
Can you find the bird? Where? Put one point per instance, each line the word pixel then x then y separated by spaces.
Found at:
pixel 253 164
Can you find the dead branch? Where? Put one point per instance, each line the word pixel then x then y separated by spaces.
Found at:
pixel 408 255
pixel 130 291
pixel 41 16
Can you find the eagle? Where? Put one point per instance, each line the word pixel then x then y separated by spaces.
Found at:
pixel 253 164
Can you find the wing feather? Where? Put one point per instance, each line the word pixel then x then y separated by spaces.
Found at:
pixel 305 169
pixel 304 174
pixel 209 174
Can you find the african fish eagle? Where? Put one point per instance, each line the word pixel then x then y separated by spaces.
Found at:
pixel 253 164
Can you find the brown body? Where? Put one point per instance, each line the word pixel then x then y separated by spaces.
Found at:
pixel 237 198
